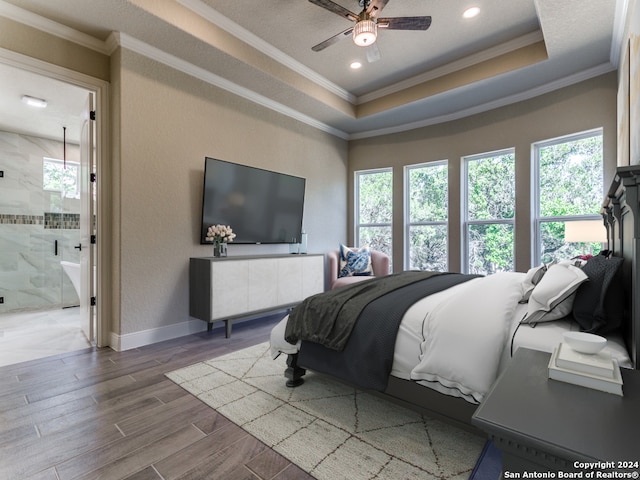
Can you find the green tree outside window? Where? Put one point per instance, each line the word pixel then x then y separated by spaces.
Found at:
pixel 374 209
pixel 490 212
pixel 427 214
pixel 569 174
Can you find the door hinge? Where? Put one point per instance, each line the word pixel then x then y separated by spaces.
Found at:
pixel 93 301
pixel 92 114
pixel 93 239
pixel 92 177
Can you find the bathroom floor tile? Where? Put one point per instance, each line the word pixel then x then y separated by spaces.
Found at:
pixel 31 335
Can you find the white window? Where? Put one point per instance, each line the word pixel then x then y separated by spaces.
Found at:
pixel 568 186
pixel 489 212
pixel 427 214
pixel 60 177
pixel 374 209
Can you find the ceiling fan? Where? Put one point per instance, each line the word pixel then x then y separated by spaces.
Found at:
pixel 367 23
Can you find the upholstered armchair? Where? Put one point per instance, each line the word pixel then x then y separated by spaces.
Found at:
pixel 379 265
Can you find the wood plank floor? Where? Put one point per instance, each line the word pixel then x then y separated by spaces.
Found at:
pixel 103 414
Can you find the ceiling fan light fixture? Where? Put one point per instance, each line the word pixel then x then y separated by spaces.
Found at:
pixel 365 32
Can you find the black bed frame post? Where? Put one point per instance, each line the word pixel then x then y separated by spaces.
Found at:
pixel 294 373
pixel 611 214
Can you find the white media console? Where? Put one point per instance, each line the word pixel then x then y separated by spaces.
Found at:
pixel 235 287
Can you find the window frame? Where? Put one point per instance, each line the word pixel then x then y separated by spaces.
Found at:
pixel 536 219
pixel 464 203
pixel 407 210
pixel 357 224
pixel 62 192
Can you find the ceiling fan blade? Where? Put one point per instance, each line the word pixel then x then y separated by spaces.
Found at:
pixel 335 8
pixel 405 23
pixel 330 41
pixel 375 7
pixel 373 52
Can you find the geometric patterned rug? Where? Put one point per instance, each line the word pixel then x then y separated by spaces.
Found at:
pixel 330 430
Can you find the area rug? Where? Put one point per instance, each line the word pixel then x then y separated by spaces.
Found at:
pixel 327 428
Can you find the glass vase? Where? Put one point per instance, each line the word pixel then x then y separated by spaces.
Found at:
pixel 219 249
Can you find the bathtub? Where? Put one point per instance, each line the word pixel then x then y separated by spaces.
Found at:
pixel 73 272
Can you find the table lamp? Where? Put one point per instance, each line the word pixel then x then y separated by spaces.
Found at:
pixel 585 231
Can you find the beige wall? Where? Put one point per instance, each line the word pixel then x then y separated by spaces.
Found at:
pixel 587 105
pixel 167 122
pixel 33 43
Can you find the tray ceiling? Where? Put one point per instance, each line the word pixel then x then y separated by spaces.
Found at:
pixel 511 51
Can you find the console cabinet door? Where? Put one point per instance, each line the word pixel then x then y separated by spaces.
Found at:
pixel 312 275
pixel 289 280
pixel 263 284
pixel 229 288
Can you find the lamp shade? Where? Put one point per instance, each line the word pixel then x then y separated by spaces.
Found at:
pixel 585 231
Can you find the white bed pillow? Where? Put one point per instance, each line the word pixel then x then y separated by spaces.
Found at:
pixel 552 298
pixel 534 275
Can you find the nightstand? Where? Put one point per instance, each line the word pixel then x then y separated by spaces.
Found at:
pixel 544 425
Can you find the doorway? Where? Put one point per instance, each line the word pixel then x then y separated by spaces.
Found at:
pixel 48 208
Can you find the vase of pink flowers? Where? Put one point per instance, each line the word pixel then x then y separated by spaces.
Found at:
pixel 220 235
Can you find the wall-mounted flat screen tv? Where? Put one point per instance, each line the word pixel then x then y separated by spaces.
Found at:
pixel 260 206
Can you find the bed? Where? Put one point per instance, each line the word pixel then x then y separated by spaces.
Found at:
pixel 486 318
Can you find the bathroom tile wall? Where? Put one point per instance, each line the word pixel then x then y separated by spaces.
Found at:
pixel 31 221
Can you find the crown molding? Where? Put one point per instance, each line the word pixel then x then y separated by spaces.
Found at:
pixel 256 42
pixel 49 26
pixel 617 37
pixel 519 97
pixel 452 67
pixel 137 46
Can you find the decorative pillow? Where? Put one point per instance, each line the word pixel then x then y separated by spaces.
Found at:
pixel 534 275
pixel 553 297
pixel 355 262
pixel 576 262
pixel 599 304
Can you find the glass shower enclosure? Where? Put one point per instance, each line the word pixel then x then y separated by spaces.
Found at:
pixel 39 222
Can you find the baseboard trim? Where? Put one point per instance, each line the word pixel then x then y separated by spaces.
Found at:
pixel 154 335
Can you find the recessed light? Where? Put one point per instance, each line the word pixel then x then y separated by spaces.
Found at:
pixel 471 12
pixel 355 65
pixel 34 102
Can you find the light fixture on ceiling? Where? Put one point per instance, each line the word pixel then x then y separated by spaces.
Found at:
pixel 34 102
pixel 355 65
pixel 365 32
pixel 471 12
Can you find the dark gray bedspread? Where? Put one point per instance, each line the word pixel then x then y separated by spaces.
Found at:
pixel 367 358
pixel 329 317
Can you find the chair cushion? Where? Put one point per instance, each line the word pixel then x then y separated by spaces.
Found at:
pixel 355 262
pixel 344 281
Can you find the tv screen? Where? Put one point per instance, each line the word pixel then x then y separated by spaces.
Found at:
pixel 260 206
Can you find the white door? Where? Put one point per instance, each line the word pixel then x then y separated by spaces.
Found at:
pixel 87 222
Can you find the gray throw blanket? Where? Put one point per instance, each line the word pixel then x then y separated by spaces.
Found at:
pixel 328 318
